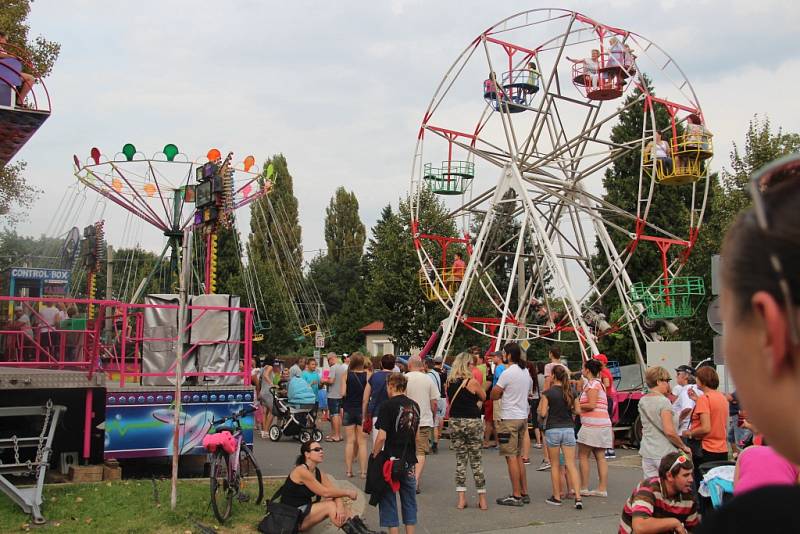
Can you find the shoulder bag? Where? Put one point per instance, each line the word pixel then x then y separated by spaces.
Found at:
pixel 450 401
pixel 283 518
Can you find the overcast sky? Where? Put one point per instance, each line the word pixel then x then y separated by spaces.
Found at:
pixel 340 87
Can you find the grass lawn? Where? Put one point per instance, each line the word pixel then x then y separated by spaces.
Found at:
pixel 132 506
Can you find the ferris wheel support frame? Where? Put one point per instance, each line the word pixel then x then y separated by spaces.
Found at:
pixel 511 179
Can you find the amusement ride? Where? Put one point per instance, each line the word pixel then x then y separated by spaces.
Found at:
pixel 522 180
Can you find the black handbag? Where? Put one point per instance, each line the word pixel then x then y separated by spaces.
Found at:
pixel 283 518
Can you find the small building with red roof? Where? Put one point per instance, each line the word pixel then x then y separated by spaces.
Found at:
pixel 377 340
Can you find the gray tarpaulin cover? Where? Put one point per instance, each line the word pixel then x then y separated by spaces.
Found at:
pixel 210 330
pixel 159 356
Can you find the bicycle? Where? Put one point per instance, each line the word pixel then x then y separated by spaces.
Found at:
pixel 232 463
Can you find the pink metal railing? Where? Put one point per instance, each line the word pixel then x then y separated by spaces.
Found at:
pixel 111 344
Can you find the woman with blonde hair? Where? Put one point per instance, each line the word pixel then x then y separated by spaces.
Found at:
pixel 464 395
pixel 659 434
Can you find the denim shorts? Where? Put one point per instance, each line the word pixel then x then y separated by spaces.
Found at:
pixel 334 405
pixel 387 506
pixel 560 437
pixel 351 418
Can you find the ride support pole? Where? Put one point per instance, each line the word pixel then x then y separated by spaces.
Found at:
pixel 87 425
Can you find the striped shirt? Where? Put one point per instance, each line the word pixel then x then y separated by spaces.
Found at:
pixel 597 418
pixel 649 501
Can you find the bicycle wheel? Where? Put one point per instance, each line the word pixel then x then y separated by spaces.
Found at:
pixel 248 468
pixel 221 487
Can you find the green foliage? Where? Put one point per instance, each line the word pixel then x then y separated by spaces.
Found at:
pixel 275 252
pixel 669 210
pixel 15 191
pixel 393 287
pixel 728 195
pixel 344 232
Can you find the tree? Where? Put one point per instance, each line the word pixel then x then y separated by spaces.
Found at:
pixel 275 250
pixel 345 234
pixel 14 189
pixel 669 210
pixel 393 287
pixel 728 196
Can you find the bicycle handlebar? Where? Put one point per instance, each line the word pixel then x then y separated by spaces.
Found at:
pixel 247 410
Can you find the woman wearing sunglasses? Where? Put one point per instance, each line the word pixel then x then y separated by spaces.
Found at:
pixel 659 436
pixel 760 302
pixel 317 496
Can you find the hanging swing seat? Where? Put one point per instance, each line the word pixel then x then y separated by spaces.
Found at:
pixel 689 155
pixel 444 284
pixel 679 298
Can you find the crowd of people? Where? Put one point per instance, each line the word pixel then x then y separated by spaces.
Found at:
pixel 711 461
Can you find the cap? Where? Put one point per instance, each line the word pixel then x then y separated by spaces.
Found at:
pixel 685 369
pixel 437 359
pixel 601 358
pixel 495 353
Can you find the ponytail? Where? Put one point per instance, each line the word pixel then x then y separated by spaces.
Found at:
pixel 562 377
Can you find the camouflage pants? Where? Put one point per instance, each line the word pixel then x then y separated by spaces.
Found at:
pixel 466 437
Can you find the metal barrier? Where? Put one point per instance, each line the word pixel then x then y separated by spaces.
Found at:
pixel 29 498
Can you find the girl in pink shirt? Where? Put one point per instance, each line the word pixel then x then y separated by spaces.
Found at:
pixel 762 466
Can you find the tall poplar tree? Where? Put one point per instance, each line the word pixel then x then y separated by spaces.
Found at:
pixel 275 250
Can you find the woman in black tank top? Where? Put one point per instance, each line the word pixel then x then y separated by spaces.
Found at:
pixel 464 394
pixel 306 485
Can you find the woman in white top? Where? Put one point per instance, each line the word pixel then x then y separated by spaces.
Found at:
pixel 661 153
pixel 659 436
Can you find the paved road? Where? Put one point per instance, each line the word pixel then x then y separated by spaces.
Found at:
pixel 437 511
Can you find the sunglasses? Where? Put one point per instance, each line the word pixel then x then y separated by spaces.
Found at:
pixel 316 449
pixel 787 167
pixel 680 460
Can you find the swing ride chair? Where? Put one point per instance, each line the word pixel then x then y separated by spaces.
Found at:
pixel 528 211
pixel 29 498
pixel 19 123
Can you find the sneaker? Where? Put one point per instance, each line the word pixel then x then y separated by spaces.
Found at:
pixel 510 500
pixel 526 499
pixel 526 461
pixel 537 445
pixel 610 454
pixel 579 505
pixel 544 466
pixel 552 500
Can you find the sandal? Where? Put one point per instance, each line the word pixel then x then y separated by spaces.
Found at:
pixel 349 474
pixel 331 439
pixel 362 475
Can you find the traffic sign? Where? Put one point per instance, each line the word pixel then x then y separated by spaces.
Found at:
pixel 319 340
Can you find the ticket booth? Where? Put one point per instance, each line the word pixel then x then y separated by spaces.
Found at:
pixel 32 282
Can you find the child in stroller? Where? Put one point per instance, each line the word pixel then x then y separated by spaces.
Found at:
pixel 295 419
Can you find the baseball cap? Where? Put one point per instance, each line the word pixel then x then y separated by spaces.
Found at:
pixel 685 369
pixel 437 359
pixel 601 358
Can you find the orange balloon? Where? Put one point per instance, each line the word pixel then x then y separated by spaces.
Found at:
pixel 249 161
pixel 149 189
pixel 213 154
pixel 116 183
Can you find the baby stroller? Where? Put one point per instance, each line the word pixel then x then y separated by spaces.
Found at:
pixel 297 421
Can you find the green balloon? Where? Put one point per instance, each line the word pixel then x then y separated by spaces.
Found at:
pixel 270 171
pixel 129 150
pixel 170 151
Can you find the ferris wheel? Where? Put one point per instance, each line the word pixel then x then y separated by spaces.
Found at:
pixel 516 141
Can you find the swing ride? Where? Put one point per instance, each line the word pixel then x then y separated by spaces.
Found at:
pixel 523 184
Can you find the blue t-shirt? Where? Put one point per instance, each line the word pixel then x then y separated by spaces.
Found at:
pixel 312 378
pixel 378 393
pixel 497 372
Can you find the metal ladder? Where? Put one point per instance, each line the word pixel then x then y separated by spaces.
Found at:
pixel 29 498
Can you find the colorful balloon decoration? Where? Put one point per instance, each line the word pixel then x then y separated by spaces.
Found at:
pixel 129 151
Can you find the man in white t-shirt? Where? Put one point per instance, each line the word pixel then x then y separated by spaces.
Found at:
pixel 423 391
pixel 683 405
pixel 512 389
